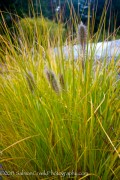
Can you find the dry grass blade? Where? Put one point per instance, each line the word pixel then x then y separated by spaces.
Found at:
pixel 30 80
pixel 62 82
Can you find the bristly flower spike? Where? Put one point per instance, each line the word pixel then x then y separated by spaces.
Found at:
pixel 50 76
pixel 82 35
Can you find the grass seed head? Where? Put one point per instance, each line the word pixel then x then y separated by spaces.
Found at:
pixel 82 35
pixel 50 75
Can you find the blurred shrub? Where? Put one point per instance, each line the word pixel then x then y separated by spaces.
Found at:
pixel 42 31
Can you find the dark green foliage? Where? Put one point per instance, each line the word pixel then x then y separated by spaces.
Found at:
pixel 34 7
pixel 112 9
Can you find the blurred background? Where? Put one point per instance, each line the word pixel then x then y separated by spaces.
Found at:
pixel 62 9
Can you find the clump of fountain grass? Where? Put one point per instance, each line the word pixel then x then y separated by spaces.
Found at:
pixel 74 135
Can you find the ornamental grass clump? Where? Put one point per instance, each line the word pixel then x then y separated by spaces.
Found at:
pixel 46 132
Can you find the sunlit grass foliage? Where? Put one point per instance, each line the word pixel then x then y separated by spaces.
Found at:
pixel 56 116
